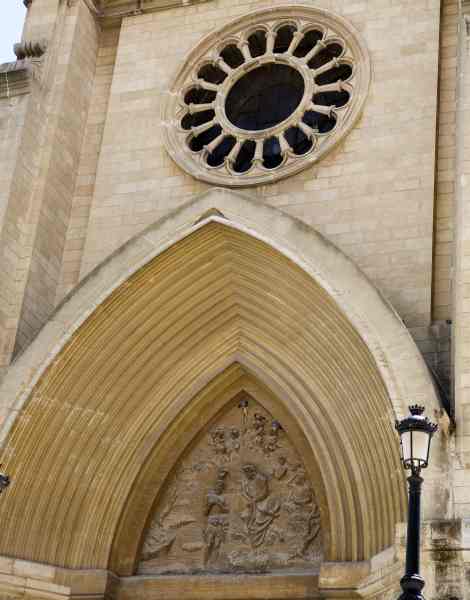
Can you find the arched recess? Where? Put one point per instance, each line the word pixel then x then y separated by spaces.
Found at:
pixel 184 425
pixel 151 328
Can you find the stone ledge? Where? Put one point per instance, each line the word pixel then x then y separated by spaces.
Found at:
pixel 363 579
pixel 14 78
pixel 230 587
pixel 42 581
pixel 46 582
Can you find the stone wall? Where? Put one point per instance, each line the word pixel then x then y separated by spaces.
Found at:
pixel 17 232
pixel 12 116
pixel 90 151
pixel 461 296
pixel 41 19
pixel 37 213
pixel 372 196
pixel 66 109
pixel 12 119
pixel 446 161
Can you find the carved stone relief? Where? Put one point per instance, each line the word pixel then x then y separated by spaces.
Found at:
pixel 239 500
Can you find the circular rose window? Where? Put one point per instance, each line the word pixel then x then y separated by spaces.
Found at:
pixel 266 96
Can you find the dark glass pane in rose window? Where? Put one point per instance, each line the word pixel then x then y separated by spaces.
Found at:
pixel 264 97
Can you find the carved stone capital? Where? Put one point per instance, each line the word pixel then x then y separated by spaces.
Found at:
pixel 30 49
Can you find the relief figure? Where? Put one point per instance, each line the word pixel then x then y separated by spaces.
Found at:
pixel 217 441
pixel 261 510
pixel 215 535
pixel 259 424
pixel 281 469
pixel 216 502
pixel 217 526
pixel 272 441
pixel 163 531
pixel 233 444
pixel 304 517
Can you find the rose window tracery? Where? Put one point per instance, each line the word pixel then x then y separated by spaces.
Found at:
pixel 266 96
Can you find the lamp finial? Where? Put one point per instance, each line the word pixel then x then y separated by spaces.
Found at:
pixel 416 409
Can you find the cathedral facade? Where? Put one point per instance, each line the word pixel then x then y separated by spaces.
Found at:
pixel 234 249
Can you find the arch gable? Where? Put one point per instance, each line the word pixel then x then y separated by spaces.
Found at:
pixel 148 331
pixel 397 356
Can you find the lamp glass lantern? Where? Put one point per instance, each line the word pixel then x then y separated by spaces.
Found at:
pixel 4 480
pixel 416 432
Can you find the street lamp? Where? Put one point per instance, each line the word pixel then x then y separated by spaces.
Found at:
pixel 416 432
pixel 4 481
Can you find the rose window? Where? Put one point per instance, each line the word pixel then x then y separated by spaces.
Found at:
pixel 266 96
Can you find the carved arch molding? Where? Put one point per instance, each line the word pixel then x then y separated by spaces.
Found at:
pixel 103 426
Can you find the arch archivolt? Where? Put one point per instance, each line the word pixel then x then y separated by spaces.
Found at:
pixel 160 337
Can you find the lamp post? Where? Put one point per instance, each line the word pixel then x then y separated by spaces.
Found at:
pixel 416 432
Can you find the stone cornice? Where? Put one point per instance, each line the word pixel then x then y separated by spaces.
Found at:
pixel 111 12
pixel 114 6
pixel 14 78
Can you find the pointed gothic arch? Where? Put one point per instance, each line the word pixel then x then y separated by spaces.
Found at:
pixel 153 329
